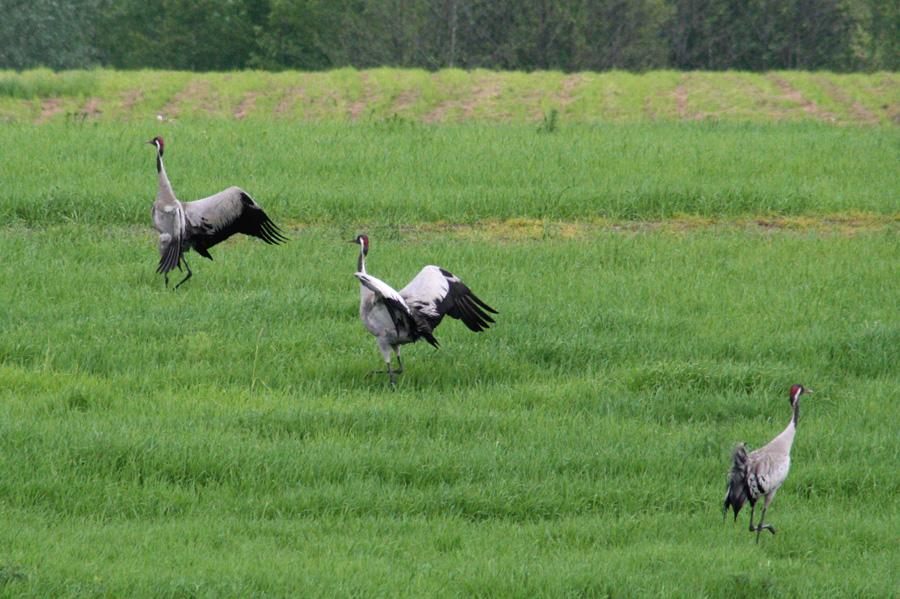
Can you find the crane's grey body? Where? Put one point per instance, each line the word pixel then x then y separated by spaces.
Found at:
pixel 760 473
pixel 201 224
pixel 397 318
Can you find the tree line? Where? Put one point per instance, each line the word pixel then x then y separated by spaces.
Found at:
pixel 569 35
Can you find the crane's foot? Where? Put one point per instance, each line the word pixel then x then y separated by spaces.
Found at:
pixel 763 527
pixel 391 375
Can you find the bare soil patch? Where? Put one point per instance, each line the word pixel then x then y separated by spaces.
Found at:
pixel 290 99
pixel 524 229
pixel 439 112
pixel 358 107
pixel 794 95
pixel 246 106
pixel 405 100
pixel 860 113
pixel 91 108
pixel 567 94
pixel 680 94
pixel 50 107
pixel 130 98
pixel 194 91
pixel 484 93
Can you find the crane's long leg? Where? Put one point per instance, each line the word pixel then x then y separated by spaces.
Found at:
pixel 385 350
pixel 187 276
pixel 752 509
pixel 762 518
pixel 399 363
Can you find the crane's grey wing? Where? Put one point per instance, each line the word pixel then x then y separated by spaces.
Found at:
pixel 171 222
pixel 220 216
pixel 435 292
pixel 395 304
pixel 385 292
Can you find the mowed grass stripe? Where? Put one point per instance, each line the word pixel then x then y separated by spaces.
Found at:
pixel 450 96
pixel 225 437
pixel 406 173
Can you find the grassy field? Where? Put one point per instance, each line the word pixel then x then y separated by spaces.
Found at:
pixel 660 284
pixel 465 173
pixel 451 96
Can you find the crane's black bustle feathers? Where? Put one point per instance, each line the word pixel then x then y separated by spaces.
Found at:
pixel 401 318
pixel 736 492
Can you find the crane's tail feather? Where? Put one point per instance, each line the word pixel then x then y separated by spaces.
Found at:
pixel 736 489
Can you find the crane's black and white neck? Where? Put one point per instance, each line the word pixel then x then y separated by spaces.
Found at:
pixel 164 191
pixel 363 241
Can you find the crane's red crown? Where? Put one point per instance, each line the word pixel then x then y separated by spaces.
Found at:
pixel 158 142
pixel 796 390
pixel 363 240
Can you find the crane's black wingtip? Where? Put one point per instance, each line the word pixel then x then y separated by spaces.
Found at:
pixel 272 233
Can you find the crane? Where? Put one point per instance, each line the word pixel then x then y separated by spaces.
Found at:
pixel 760 473
pixel 201 224
pixel 397 318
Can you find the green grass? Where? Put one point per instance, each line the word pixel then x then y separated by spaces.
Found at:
pixel 451 95
pixel 404 172
pixel 226 440
pixel 661 283
pixel 43 83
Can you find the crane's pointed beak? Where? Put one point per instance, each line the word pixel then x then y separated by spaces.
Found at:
pixel 352 241
pixel 810 391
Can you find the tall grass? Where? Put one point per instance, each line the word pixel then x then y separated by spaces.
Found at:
pixel 44 83
pixel 403 172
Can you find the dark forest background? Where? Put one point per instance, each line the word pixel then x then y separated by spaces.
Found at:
pixel 571 35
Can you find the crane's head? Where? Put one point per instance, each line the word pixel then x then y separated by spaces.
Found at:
pixel 158 142
pixel 363 241
pixel 796 392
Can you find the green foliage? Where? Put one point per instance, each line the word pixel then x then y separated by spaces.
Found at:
pixel 576 35
pixel 194 35
pixel 59 34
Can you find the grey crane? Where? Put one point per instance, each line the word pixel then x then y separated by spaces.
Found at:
pixel 397 318
pixel 761 472
pixel 201 224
